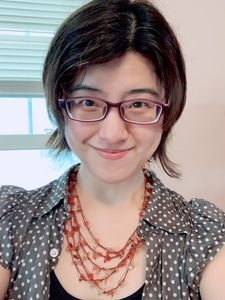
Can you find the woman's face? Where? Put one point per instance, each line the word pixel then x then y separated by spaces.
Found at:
pixel 113 150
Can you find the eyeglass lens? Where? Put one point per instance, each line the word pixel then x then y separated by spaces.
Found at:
pixel 93 109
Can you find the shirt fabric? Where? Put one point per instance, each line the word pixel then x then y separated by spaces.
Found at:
pixel 181 239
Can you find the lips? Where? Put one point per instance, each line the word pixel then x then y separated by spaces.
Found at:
pixel 112 154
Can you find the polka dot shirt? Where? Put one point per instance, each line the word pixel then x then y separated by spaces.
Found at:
pixel 181 238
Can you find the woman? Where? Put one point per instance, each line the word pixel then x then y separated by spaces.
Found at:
pixel 115 86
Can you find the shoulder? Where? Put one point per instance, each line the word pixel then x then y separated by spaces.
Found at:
pixel 14 200
pixel 9 203
pixel 206 209
pixel 196 213
pixel 10 198
pixel 205 255
pixel 39 200
pixel 206 222
pixel 200 222
pixel 20 207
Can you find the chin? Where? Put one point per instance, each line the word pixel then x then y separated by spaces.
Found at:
pixel 115 175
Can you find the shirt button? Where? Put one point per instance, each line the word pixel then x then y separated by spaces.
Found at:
pixel 54 252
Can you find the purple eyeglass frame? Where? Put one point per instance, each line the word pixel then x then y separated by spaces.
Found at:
pixel 63 105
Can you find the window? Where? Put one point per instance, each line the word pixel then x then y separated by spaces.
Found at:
pixel 26 29
pixel 26 115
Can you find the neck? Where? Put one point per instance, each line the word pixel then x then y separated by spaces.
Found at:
pixel 103 193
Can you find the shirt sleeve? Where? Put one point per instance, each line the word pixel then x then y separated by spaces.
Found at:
pixel 8 203
pixel 206 239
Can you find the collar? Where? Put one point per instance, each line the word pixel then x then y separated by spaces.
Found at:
pixel 166 210
pixel 51 195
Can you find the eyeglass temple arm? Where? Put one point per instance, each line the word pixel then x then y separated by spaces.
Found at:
pixel 62 103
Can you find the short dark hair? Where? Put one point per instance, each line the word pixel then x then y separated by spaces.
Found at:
pixel 101 31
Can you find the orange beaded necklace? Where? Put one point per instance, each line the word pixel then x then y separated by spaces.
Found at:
pixel 95 263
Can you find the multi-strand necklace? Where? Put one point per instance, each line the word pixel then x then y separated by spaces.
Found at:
pixel 96 264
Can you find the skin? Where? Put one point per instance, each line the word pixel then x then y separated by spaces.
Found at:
pixel 106 168
pixel 94 142
pixel 112 153
pixel 114 82
pixel 4 281
pixel 212 285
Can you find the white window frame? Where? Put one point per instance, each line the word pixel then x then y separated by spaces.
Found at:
pixel 24 87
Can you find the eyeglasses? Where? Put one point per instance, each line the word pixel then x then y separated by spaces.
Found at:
pixel 92 109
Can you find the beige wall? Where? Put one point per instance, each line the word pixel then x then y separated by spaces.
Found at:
pixel 198 143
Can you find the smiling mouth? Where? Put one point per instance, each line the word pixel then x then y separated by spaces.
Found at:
pixel 108 150
pixel 112 153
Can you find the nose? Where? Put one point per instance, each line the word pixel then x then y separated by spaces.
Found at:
pixel 113 129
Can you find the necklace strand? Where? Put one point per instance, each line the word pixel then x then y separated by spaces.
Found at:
pixel 96 263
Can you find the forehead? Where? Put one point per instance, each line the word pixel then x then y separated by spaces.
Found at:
pixel 128 72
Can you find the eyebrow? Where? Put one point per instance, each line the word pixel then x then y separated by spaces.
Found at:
pixel 150 91
pixel 80 87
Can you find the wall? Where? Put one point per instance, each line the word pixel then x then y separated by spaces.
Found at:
pixel 198 143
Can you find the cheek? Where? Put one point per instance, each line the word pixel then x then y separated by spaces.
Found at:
pixel 77 133
pixel 73 135
pixel 150 134
pixel 149 138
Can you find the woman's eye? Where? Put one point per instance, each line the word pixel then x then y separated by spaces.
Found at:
pixel 88 102
pixel 138 104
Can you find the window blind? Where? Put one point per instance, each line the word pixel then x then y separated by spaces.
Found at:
pixel 26 28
